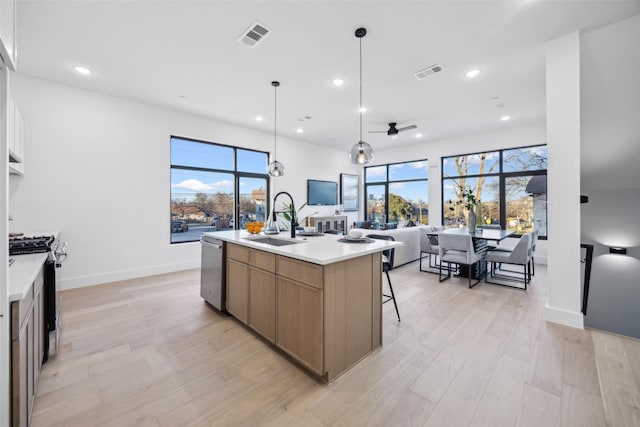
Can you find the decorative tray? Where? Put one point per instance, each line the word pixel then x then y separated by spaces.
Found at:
pixel 304 233
pixel 362 240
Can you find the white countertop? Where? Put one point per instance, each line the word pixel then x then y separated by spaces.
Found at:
pixel 25 269
pixel 22 273
pixel 323 249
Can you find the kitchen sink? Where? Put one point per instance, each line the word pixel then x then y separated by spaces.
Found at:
pixel 273 241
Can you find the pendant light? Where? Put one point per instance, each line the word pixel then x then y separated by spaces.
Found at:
pixel 275 167
pixel 361 152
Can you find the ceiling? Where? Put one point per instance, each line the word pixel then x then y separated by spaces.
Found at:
pixel 186 56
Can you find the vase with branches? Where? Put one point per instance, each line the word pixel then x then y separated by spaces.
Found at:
pixel 469 201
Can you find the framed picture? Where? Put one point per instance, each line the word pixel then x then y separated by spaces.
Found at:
pixel 349 193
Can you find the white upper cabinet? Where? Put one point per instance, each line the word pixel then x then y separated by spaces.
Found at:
pixel 8 45
pixel 15 138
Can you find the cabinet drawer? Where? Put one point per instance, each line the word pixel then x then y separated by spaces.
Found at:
pixel 303 272
pixel 263 260
pixel 237 252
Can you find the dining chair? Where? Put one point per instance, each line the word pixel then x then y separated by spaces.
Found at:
pixel 387 265
pixel 520 255
pixel 429 246
pixel 458 249
pixel 531 267
pixel 534 240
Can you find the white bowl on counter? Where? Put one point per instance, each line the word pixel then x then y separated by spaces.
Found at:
pixel 355 234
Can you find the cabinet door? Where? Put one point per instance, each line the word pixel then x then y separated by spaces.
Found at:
pixel 18 134
pixel 31 371
pixel 11 127
pixel 262 302
pixel 19 397
pixel 299 322
pixel 237 289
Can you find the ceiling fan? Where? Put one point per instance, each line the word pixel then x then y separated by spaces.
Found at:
pixel 393 130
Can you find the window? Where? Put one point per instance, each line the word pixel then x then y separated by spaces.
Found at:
pixel 215 187
pixel 510 184
pixel 396 192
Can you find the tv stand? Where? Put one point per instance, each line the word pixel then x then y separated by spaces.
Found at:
pixel 333 222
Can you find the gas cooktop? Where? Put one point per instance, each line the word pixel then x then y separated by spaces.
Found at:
pixel 30 245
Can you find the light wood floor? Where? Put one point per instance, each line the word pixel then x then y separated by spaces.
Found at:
pixel 150 352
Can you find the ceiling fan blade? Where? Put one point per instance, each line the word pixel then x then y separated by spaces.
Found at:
pixel 407 128
pixel 377 131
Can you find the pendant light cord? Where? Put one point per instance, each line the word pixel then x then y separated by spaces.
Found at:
pixel 360 90
pixel 275 120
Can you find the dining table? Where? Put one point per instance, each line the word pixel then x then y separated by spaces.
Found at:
pixel 481 238
pixel 489 234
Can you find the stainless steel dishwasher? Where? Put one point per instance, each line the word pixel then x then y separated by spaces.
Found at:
pixel 212 272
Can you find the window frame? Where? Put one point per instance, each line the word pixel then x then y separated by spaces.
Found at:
pixel 502 178
pixel 385 183
pixel 237 175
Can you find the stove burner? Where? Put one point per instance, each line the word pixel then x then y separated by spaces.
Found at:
pixel 30 245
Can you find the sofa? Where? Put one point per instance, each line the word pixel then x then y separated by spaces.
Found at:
pixel 409 236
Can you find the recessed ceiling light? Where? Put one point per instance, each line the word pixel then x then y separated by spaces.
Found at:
pixel 259 118
pixel 82 70
pixel 418 135
pixel 472 73
pixel 299 130
pixel 505 118
pixel 362 109
pixel 338 82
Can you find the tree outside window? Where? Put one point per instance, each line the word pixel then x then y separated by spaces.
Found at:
pixel 499 180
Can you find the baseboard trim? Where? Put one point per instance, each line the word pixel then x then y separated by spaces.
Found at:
pixel 115 276
pixel 563 317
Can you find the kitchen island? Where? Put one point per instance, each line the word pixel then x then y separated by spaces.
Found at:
pixel 317 299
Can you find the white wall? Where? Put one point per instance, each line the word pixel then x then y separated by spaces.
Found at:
pixel 563 179
pixel 510 136
pixel 97 171
pixel 610 175
pixel 610 219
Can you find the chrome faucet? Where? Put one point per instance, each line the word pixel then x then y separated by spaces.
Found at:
pixel 292 212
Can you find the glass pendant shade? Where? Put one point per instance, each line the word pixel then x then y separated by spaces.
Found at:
pixel 361 153
pixel 276 168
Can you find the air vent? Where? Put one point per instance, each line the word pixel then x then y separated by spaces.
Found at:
pixel 428 71
pixel 254 35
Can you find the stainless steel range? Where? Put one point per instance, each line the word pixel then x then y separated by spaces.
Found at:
pixel 56 254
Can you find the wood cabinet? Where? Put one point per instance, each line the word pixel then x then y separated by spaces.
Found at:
pixel 27 351
pixel 251 288
pixel 238 289
pixel 262 302
pixel 326 317
pixel 299 323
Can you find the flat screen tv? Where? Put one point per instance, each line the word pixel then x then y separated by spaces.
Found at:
pixel 322 193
